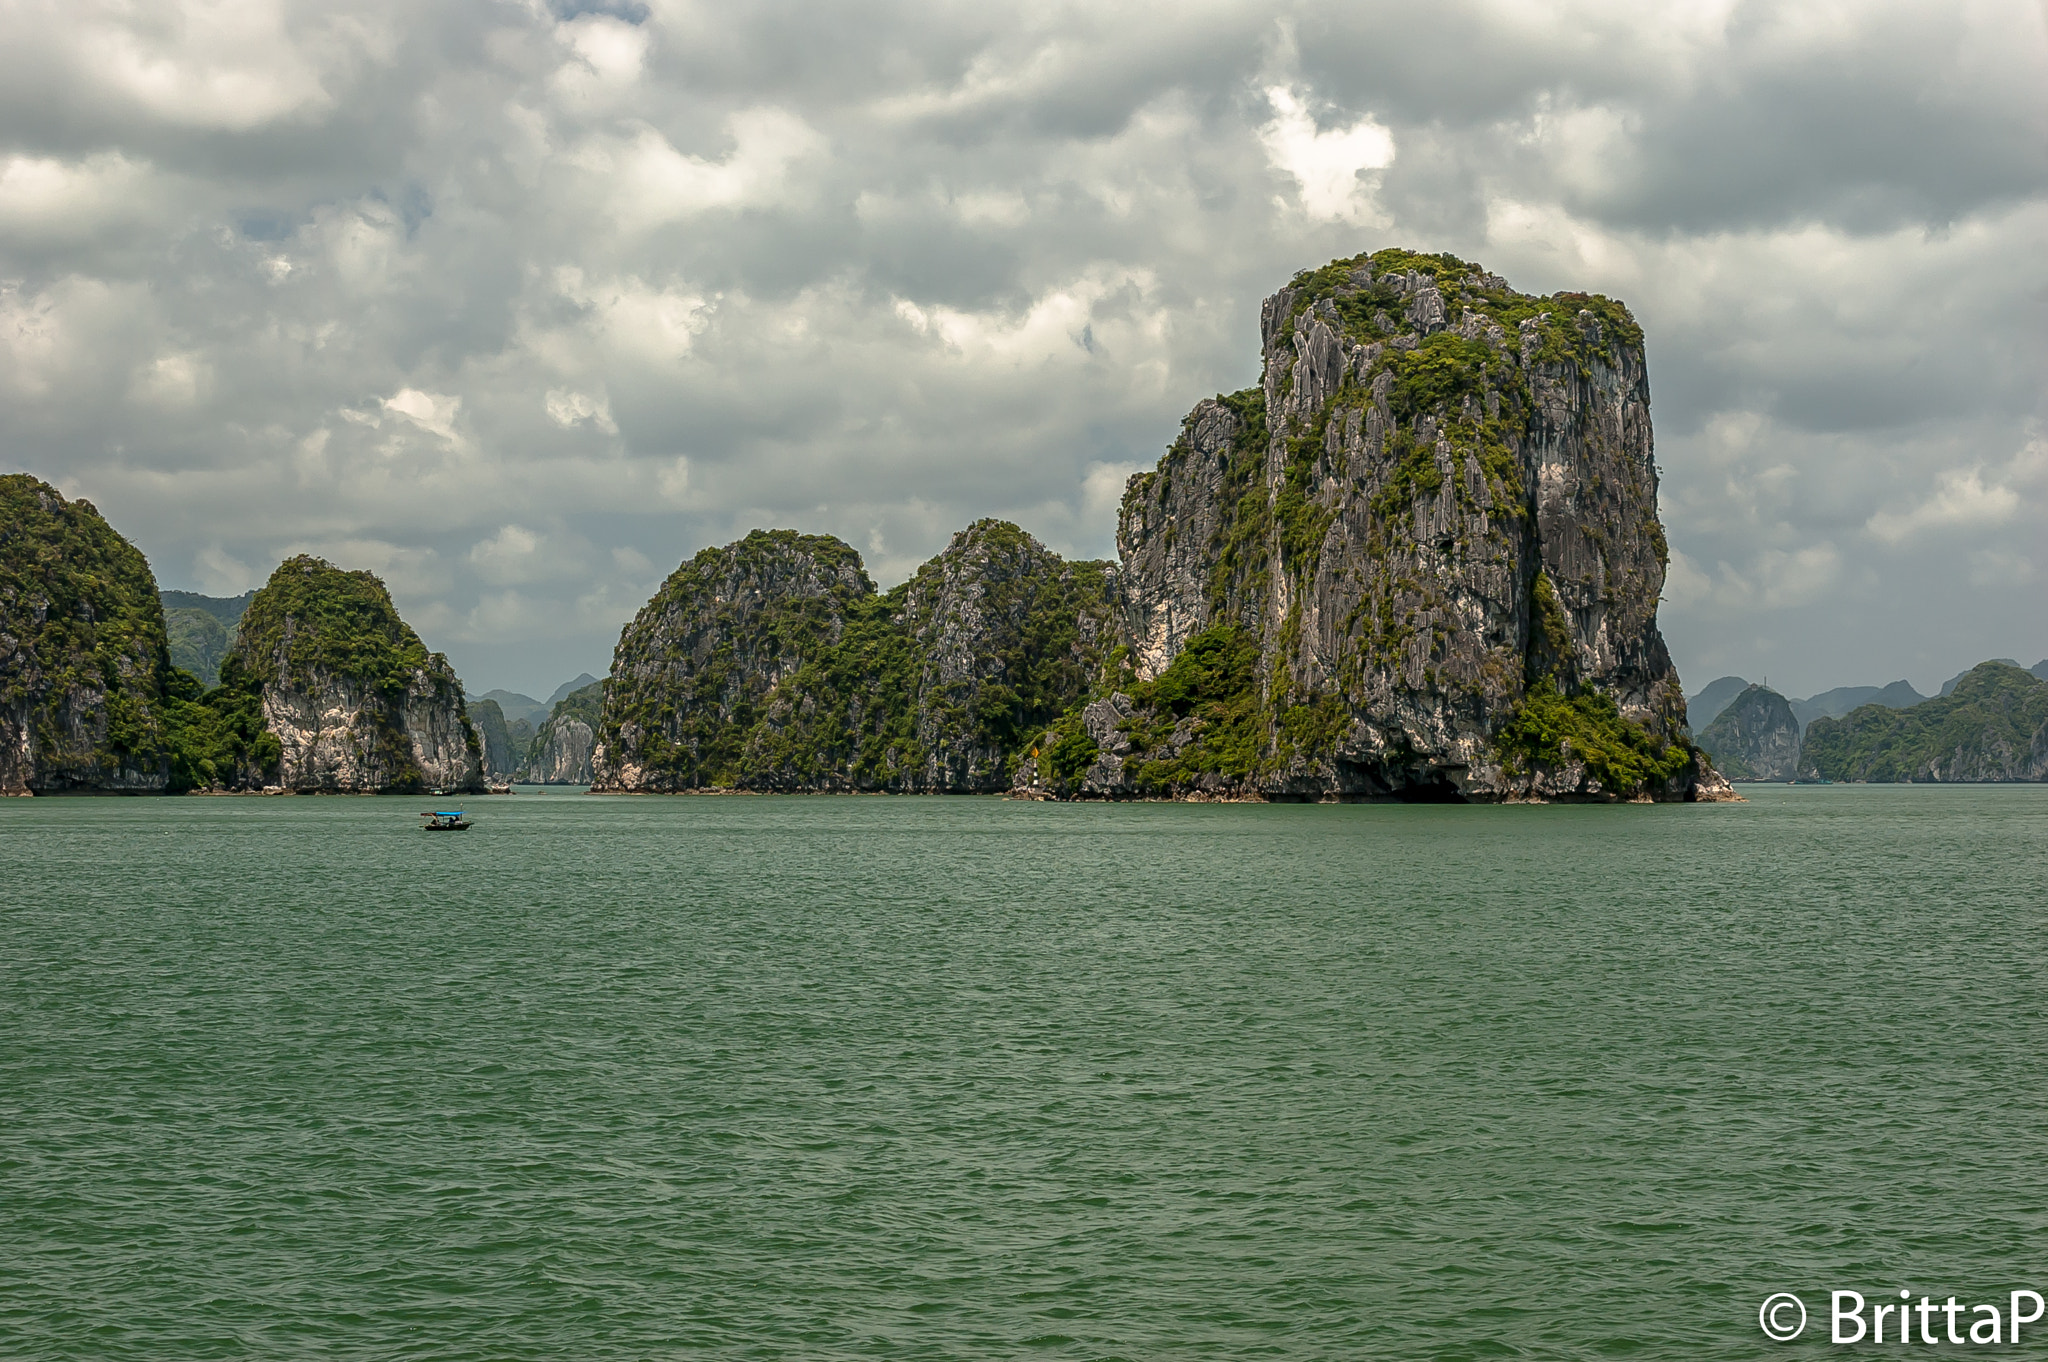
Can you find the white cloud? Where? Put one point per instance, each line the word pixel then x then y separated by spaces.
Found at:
pixel 434 412
pixel 1962 500
pixel 567 408
pixel 511 555
pixel 650 183
pixel 1327 164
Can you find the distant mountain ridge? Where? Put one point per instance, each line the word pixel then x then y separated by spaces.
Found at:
pixel 1991 727
pixel 515 706
pixel 1989 724
pixel 569 688
pixel 1703 708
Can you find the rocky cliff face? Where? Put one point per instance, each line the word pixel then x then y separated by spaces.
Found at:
pixel 560 753
pixel 774 664
pixel 501 759
pixel 83 651
pixel 1755 737
pixel 354 700
pixel 1421 560
pixel 1993 726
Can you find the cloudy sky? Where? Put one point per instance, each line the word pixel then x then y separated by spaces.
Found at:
pixel 519 303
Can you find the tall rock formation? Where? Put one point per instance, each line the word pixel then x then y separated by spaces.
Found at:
pixel 353 699
pixel 1991 727
pixel 1755 737
pixel 560 751
pixel 1420 560
pixel 501 758
pixel 774 664
pixel 83 651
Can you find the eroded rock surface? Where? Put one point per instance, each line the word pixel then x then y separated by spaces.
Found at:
pixel 354 700
pixel 561 751
pixel 1436 510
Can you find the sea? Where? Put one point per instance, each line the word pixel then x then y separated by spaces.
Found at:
pixel 850 1077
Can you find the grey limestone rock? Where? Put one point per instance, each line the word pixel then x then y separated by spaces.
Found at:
pixel 1755 737
pixel 561 751
pixel 1441 496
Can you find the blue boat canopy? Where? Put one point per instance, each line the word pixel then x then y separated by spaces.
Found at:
pixel 443 813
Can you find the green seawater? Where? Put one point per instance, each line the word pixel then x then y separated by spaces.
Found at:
pixel 831 1078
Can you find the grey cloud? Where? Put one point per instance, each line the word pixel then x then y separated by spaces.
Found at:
pixel 522 303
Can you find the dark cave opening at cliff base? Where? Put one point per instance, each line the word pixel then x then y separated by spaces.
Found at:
pixel 1374 783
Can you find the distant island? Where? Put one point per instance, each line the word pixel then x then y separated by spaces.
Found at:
pixel 1986 724
pixel 1419 560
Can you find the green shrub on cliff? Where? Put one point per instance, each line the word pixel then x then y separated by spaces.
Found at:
pixel 1213 680
pixel 217 738
pixel 1552 729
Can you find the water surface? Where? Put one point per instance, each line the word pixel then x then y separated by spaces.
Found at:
pixel 960 1078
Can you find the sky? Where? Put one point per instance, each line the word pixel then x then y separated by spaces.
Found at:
pixel 519 304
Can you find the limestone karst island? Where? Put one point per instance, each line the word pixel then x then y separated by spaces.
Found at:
pixel 1419 559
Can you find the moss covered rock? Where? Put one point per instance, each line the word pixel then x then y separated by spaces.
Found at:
pixel 1435 520
pixel 774 664
pixel 83 650
pixel 352 697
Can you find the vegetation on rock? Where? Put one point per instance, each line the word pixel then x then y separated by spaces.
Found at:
pixel 318 644
pixel 1552 729
pixel 774 663
pixel 83 649
pixel 313 619
pixel 1992 727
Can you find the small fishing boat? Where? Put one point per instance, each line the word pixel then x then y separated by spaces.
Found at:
pixel 444 820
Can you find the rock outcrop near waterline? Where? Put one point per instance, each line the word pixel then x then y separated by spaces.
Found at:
pixel 353 699
pixel 83 650
pixel 774 664
pixel 1420 560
